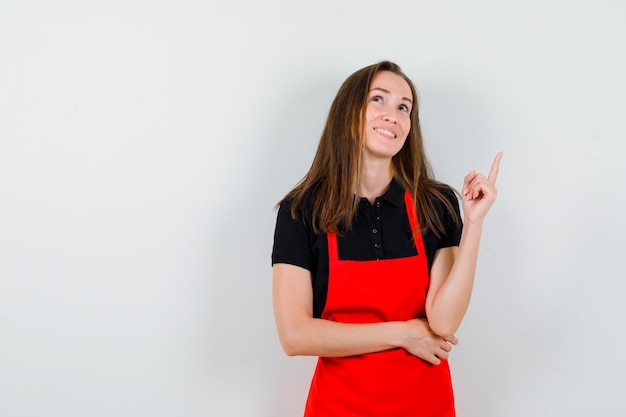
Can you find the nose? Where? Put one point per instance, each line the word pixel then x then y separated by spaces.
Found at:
pixel 389 118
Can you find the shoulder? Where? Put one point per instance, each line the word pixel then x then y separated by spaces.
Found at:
pixel 449 200
pixel 444 203
pixel 293 236
pixel 442 200
pixel 287 212
pixel 449 212
pixel 446 191
pixel 289 220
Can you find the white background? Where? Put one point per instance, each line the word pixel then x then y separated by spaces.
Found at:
pixel 143 145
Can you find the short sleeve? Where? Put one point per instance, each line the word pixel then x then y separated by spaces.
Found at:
pixel 453 228
pixel 292 239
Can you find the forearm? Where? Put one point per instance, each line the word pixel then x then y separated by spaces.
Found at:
pixel 318 337
pixel 448 305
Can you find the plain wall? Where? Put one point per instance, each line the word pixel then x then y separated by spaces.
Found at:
pixel 143 145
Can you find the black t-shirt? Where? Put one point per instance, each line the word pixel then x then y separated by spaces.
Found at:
pixel 380 231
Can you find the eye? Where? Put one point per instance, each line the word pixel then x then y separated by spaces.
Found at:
pixel 377 99
pixel 405 108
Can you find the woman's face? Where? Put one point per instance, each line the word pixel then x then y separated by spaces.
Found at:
pixel 387 116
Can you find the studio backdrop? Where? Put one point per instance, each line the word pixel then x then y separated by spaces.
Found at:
pixel 144 144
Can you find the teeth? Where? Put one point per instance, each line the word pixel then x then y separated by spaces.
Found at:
pixel 384 132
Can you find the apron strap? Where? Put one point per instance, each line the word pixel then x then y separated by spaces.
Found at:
pixel 415 225
pixel 410 211
pixel 333 250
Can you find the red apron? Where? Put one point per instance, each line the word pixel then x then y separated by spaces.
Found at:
pixel 392 383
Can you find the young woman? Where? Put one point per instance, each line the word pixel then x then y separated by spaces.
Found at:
pixel 370 269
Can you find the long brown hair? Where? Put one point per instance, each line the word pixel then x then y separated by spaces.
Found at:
pixel 327 193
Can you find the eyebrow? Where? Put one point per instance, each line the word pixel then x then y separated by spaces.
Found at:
pixel 389 92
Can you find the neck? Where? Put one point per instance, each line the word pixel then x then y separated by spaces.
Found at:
pixel 375 180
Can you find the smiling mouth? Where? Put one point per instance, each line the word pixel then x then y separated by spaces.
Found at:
pixel 385 132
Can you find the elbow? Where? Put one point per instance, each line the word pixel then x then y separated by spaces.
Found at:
pixel 443 329
pixel 446 335
pixel 295 336
pixel 290 352
pixel 289 349
pixel 441 323
pixel 289 342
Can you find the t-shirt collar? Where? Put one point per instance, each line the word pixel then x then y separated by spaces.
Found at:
pixel 395 194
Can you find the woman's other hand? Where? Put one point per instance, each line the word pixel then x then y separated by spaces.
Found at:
pixel 422 342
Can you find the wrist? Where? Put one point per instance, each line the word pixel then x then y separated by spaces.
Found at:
pixel 408 331
pixel 473 224
pixel 400 332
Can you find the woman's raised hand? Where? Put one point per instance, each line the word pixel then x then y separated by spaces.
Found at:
pixel 479 192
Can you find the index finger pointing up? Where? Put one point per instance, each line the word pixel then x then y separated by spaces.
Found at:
pixel 493 173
